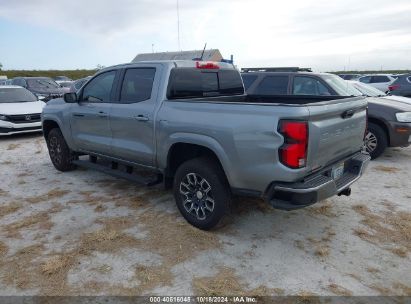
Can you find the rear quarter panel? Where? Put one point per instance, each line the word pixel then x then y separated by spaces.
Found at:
pixel 243 136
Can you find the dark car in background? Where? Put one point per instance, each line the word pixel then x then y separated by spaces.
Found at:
pixel 76 85
pixel 61 79
pixel 44 88
pixel 401 86
pixel 389 120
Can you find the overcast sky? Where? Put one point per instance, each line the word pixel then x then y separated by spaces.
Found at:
pixel 323 34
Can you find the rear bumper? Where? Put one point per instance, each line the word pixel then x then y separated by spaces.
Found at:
pixel 400 134
pixel 317 187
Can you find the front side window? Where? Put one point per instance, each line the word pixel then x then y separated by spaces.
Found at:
pixel 309 86
pixel 137 85
pixel 273 85
pixel 99 88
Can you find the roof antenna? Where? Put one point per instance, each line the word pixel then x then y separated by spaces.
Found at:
pixel 202 54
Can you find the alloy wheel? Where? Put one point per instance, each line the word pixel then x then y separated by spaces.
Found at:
pixel 197 196
pixel 371 142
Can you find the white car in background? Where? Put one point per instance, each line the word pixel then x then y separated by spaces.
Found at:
pixel 20 111
pixel 378 81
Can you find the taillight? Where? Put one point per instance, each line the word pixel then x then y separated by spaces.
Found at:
pixel 293 153
pixel 208 65
pixel 394 87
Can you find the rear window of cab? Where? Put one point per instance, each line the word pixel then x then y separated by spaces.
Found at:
pixel 197 83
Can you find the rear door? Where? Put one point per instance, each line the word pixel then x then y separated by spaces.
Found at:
pixel 132 119
pixel 90 125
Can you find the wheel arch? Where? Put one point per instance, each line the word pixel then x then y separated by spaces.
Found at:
pixel 382 125
pixel 181 151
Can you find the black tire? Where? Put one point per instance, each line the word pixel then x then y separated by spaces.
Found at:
pixel 60 154
pixel 194 177
pixel 376 140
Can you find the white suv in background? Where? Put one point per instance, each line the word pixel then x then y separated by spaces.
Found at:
pixel 20 111
pixel 378 81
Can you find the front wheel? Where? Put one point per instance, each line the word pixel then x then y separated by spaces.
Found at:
pixel 375 141
pixel 60 154
pixel 201 192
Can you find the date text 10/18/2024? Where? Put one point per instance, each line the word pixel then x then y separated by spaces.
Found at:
pixel 233 299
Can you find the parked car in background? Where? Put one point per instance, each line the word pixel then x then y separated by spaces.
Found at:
pixel 66 86
pixel 378 81
pixel 20 111
pixel 389 120
pixel 401 86
pixel 3 82
pixel 350 76
pixel 192 125
pixel 77 84
pixel 60 79
pixel 44 88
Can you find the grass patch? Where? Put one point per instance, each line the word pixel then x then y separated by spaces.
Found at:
pixel 227 283
pixel 339 290
pixel 3 249
pixel 390 230
pixel 52 194
pixel 387 169
pixel 8 209
pixel 13 146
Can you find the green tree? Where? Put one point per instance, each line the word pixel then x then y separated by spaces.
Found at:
pixel 1 66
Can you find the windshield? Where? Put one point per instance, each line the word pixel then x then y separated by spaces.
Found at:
pixel 340 86
pixel 367 89
pixel 9 95
pixel 42 83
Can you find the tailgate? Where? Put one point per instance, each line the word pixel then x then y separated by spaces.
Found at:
pixel 336 130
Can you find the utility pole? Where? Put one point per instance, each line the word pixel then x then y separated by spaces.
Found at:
pixel 178 26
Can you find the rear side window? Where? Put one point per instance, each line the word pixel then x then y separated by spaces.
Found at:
pixel 137 85
pixel 194 83
pixel 273 85
pixel 409 79
pixel 379 79
pixel 248 80
pixel 309 86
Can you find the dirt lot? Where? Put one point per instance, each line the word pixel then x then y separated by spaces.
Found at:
pixel 87 233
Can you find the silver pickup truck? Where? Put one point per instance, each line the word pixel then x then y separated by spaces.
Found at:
pixel 190 123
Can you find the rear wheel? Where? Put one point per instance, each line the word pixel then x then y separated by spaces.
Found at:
pixel 60 154
pixel 201 192
pixel 375 141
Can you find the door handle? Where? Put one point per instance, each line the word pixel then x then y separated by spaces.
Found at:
pixel 78 115
pixel 141 118
pixel 102 114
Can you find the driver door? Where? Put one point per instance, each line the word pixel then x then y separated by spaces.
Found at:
pixel 90 117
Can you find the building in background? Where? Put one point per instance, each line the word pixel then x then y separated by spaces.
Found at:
pixel 209 55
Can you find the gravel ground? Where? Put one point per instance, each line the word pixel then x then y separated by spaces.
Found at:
pixel 86 233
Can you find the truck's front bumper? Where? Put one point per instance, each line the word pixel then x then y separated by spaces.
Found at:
pixel 317 187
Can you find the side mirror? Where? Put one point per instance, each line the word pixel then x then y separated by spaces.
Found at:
pixel 70 97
